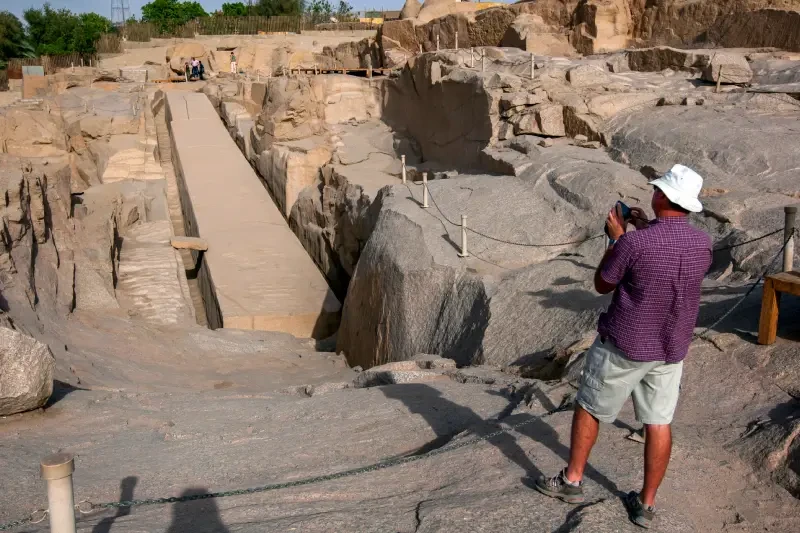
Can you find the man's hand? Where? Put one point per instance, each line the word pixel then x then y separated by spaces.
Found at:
pixel 615 223
pixel 638 218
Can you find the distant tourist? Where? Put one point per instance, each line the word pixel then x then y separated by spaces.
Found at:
pixel 187 71
pixel 233 64
pixel 202 70
pixel 655 274
pixel 195 68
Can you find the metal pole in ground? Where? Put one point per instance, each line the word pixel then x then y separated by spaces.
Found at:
pixel 57 470
pixel 456 40
pixel 403 161
pixel 471 57
pixel 790 213
pixel 483 61
pixel 425 190
pixel 437 42
pixel 464 252
pixel 719 78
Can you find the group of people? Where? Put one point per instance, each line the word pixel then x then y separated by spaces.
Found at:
pixel 194 70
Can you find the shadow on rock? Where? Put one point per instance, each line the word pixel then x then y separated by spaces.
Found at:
pixel 61 390
pixel 196 516
pixel 447 419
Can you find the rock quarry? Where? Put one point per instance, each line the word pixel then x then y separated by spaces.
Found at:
pixel 257 280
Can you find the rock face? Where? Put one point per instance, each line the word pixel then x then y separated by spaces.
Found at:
pixel 26 372
pixel 352 55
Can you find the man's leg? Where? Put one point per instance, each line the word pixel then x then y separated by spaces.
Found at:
pixel 584 434
pixel 654 400
pixel 657 450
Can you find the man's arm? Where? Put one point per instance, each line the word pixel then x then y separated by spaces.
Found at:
pixel 615 260
pixel 601 285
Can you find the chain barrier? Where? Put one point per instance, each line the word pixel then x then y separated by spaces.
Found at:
pixel 381 465
pixel 32 519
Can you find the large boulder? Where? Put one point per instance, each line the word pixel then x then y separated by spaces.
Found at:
pixel 727 67
pixel 26 372
pixel 530 33
pixel 410 9
pixel 509 303
pixel 181 53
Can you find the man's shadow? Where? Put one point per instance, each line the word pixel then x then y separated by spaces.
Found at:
pixel 126 487
pixel 195 516
pixel 447 419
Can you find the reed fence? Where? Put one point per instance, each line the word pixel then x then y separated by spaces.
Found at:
pixel 51 64
pixel 218 25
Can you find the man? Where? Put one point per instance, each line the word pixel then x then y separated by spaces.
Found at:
pixel 655 273
pixel 202 71
pixel 233 63
pixel 195 68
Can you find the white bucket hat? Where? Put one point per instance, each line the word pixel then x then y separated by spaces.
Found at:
pixel 682 186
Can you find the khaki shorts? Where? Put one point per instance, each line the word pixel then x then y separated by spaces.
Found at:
pixel 609 378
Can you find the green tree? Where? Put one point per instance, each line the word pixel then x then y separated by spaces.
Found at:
pixel 344 13
pixel 12 38
pixel 57 32
pixel 169 14
pixel 89 29
pixel 272 8
pixel 234 9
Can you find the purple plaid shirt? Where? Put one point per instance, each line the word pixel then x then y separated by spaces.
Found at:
pixel 658 272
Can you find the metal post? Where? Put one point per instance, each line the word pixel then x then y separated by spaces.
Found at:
pixel 456 40
pixel 464 252
pixel 403 162
pixel 425 190
pixel 533 64
pixel 483 61
pixel 57 470
pixel 719 78
pixel 437 42
pixel 471 57
pixel 790 213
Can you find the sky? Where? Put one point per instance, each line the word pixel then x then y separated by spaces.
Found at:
pixel 103 7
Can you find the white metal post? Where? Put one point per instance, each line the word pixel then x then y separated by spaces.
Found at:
pixel 456 40
pixel 483 61
pixel 464 252
pixel 57 470
pixel 437 42
pixel 403 161
pixel 471 57
pixel 790 213
pixel 425 190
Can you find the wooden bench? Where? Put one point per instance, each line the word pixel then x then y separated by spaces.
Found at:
pixel 788 282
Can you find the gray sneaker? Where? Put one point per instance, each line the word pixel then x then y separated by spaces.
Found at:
pixel 640 514
pixel 557 487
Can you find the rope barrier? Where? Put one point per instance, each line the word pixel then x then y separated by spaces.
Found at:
pixel 380 465
pixel 750 290
pixel 567 243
